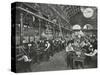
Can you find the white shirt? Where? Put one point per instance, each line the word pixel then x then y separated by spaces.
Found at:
pixel 26 59
pixel 69 48
pixel 92 54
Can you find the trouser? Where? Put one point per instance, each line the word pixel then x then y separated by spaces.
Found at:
pixel 69 60
pixel 39 58
pixel 27 66
pixel 46 56
pixel 87 60
pixel 94 61
pixel 78 63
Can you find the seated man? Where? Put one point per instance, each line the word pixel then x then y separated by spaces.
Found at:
pixel 78 58
pixel 69 55
pixel 47 46
pixel 92 55
pixel 26 63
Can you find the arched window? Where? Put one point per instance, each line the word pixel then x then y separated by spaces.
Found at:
pixel 87 26
pixel 76 27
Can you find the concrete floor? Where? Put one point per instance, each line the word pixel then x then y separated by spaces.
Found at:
pixel 57 62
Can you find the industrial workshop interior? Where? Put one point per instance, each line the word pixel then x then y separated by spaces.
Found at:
pixel 52 37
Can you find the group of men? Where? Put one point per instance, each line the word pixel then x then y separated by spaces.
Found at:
pixel 82 52
pixel 43 49
pixel 76 50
